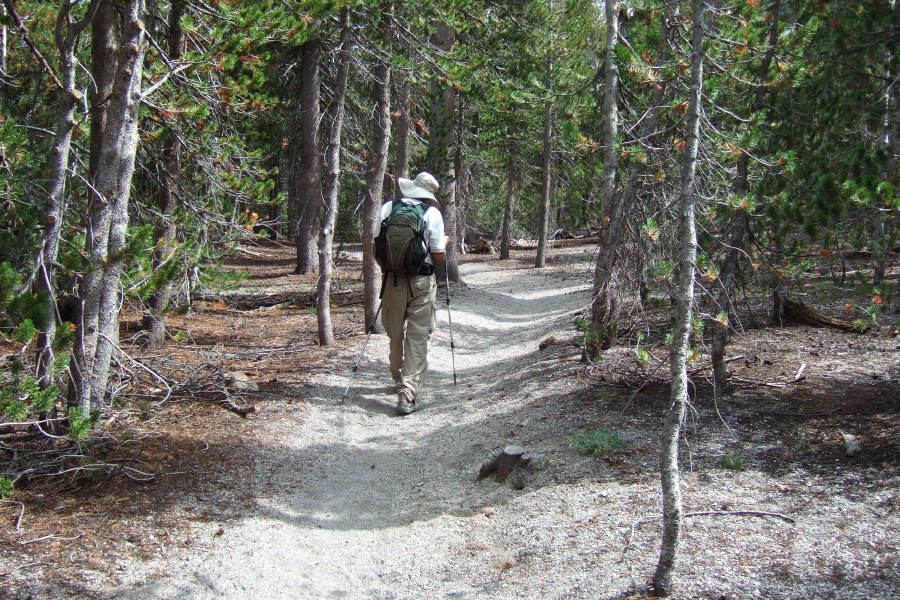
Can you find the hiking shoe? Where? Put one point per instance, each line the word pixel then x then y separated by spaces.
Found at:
pixel 405 405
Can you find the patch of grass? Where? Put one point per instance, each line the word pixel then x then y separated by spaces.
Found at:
pixel 658 302
pixel 597 441
pixel 605 396
pixel 6 488
pixel 803 440
pixel 732 462
pixel 782 420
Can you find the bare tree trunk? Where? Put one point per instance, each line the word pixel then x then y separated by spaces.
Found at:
pixel 668 460
pixel 611 281
pixel 154 321
pixel 740 224
pixel 442 151
pixel 883 226
pixel 457 229
pixel 332 183
pixel 381 136
pixel 309 191
pixel 67 35
pixel 105 33
pixel 291 170
pixel 605 306
pixel 511 177
pixel 544 214
pixel 104 61
pixel 739 227
pixel 4 53
pixel 107 219
pixel 404 122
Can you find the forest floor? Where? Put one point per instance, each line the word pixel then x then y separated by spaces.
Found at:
pixel 312 497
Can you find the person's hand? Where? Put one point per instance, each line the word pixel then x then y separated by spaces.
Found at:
pixel 447 243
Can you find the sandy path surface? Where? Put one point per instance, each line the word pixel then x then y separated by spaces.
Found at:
pixel 351 501
pixel 361 503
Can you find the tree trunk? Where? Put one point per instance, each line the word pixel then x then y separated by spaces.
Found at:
pixel 884 228
pixel 4 53
pixel 309 188
pixel 544 213
pixel 612 278
pixel 605 306
pixel 511 176
pixel 331 187
pixel 155 318
pixel 740 224
pixel 453 211
pixel 442 150
pixel 104 60
pixel 378 151
pixel 105 33
pixel 67 34
pixel 668 460
pixel 404 121
pixel 107 219
pixel 292 169
pixel 721 332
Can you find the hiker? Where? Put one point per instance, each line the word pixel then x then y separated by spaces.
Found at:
pixel 409 297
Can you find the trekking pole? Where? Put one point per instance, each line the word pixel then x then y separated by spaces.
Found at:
pixel 368 335
pixel 359 359
pixel 450 321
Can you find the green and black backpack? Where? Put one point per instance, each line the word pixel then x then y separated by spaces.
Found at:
pixel 401 246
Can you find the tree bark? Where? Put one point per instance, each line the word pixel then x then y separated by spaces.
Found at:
pixel 668 460
pixel 442 150
pixel 104 60
pixel 544 212
pixel 107 219
pixel 154 321
pixel 740 224
pixel 404 122
pixel 309 184
pixel 884 226
pixel 611 281
pixel 331 187
pixel 378 152
pixel 605 306
pixel 456 209
pixel 4 53
pixel 511 177
pixel 67 34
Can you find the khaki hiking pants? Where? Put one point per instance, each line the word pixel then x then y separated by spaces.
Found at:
pixel 411 303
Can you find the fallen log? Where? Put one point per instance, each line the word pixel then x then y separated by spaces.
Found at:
pixel 503 464
pixel 800 313
pixel 248 302
pixel 556 243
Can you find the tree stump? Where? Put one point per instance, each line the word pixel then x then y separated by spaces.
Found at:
pixel 503 464
pixel 853 447
pixel 547 343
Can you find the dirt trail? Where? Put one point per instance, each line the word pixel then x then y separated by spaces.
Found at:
pixel 361 503
pixel 348 500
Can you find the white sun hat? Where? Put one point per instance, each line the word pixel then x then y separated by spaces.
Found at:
pixel 423 186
